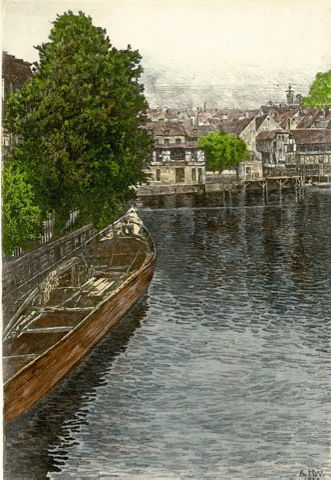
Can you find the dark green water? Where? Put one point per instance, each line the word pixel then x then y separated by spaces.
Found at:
pixel 221 371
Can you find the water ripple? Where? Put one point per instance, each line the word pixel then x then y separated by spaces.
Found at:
pixel 221 371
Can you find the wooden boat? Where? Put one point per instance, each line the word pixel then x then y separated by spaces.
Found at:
pixel 72 309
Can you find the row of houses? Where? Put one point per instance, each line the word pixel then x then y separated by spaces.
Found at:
pixel 281 140
pixel 301 151
pixel 197 116
pixel 287 137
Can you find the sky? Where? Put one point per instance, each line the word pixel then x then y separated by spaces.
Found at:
pixel 230 53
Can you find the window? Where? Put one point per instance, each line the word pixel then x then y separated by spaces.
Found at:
pixel 177 140
pixel 178 154
pixel 158 174
pixel 194 175
pixel 180 175
pixel 166 140
pixel 200 174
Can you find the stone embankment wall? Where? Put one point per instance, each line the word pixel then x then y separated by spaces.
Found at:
pixel 148 190
pixel 221 187
pixel 257 185
pixel 20 276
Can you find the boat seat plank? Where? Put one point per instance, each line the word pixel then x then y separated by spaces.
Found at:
pixel 49 329
pixel 59 319
pixel 102 288
pixel 120 268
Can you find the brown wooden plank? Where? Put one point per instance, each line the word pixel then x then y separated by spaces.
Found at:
pixel 24 389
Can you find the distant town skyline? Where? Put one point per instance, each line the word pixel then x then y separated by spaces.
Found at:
pixel 235 54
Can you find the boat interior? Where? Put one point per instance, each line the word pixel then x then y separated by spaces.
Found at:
pixel 68 295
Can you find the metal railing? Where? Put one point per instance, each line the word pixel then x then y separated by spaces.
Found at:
pixel 48 232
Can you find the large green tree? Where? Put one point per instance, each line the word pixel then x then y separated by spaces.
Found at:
pixel 222 150
pixel 79 120
pixel 320 91
pixel 21 217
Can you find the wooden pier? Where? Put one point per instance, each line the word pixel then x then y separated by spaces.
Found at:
pixel 266 184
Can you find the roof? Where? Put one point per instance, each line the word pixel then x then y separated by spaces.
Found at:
pixel 214 121
pixel 310 117
pixel 312 136
pixel 234 126
pixel 14 70
pixel 281 114
pixel 176 146
pixel 323 124
pixel 259 120
pixel 266 135
pixel 290 109
pixel 198 131
pixel 166 129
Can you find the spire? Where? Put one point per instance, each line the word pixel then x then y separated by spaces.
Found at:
pixel 289 95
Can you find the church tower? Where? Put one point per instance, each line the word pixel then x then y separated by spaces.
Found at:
pixel 289 95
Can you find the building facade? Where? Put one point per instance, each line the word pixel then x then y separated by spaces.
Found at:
pixel 177 164
pixel 271 146
pixel 301 151
pixel 15 72
pixel 176 157
pixel 308 151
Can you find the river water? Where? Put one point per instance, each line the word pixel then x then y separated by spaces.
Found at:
pixel 221 371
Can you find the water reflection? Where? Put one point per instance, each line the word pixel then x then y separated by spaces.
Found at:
pixel 226 377
pixel 32 439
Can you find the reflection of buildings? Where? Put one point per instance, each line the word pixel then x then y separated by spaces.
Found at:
pixel 14 73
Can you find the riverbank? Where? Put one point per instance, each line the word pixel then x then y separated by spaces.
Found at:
pixel 255 185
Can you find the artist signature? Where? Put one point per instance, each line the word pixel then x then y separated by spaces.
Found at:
pixel 311 474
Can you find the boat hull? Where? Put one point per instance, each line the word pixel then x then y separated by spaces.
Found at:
pixel 38 377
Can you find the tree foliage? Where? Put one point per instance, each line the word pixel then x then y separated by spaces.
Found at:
pixel 21 217
pixel 320 91
pixel 222 150
pixel 79 120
